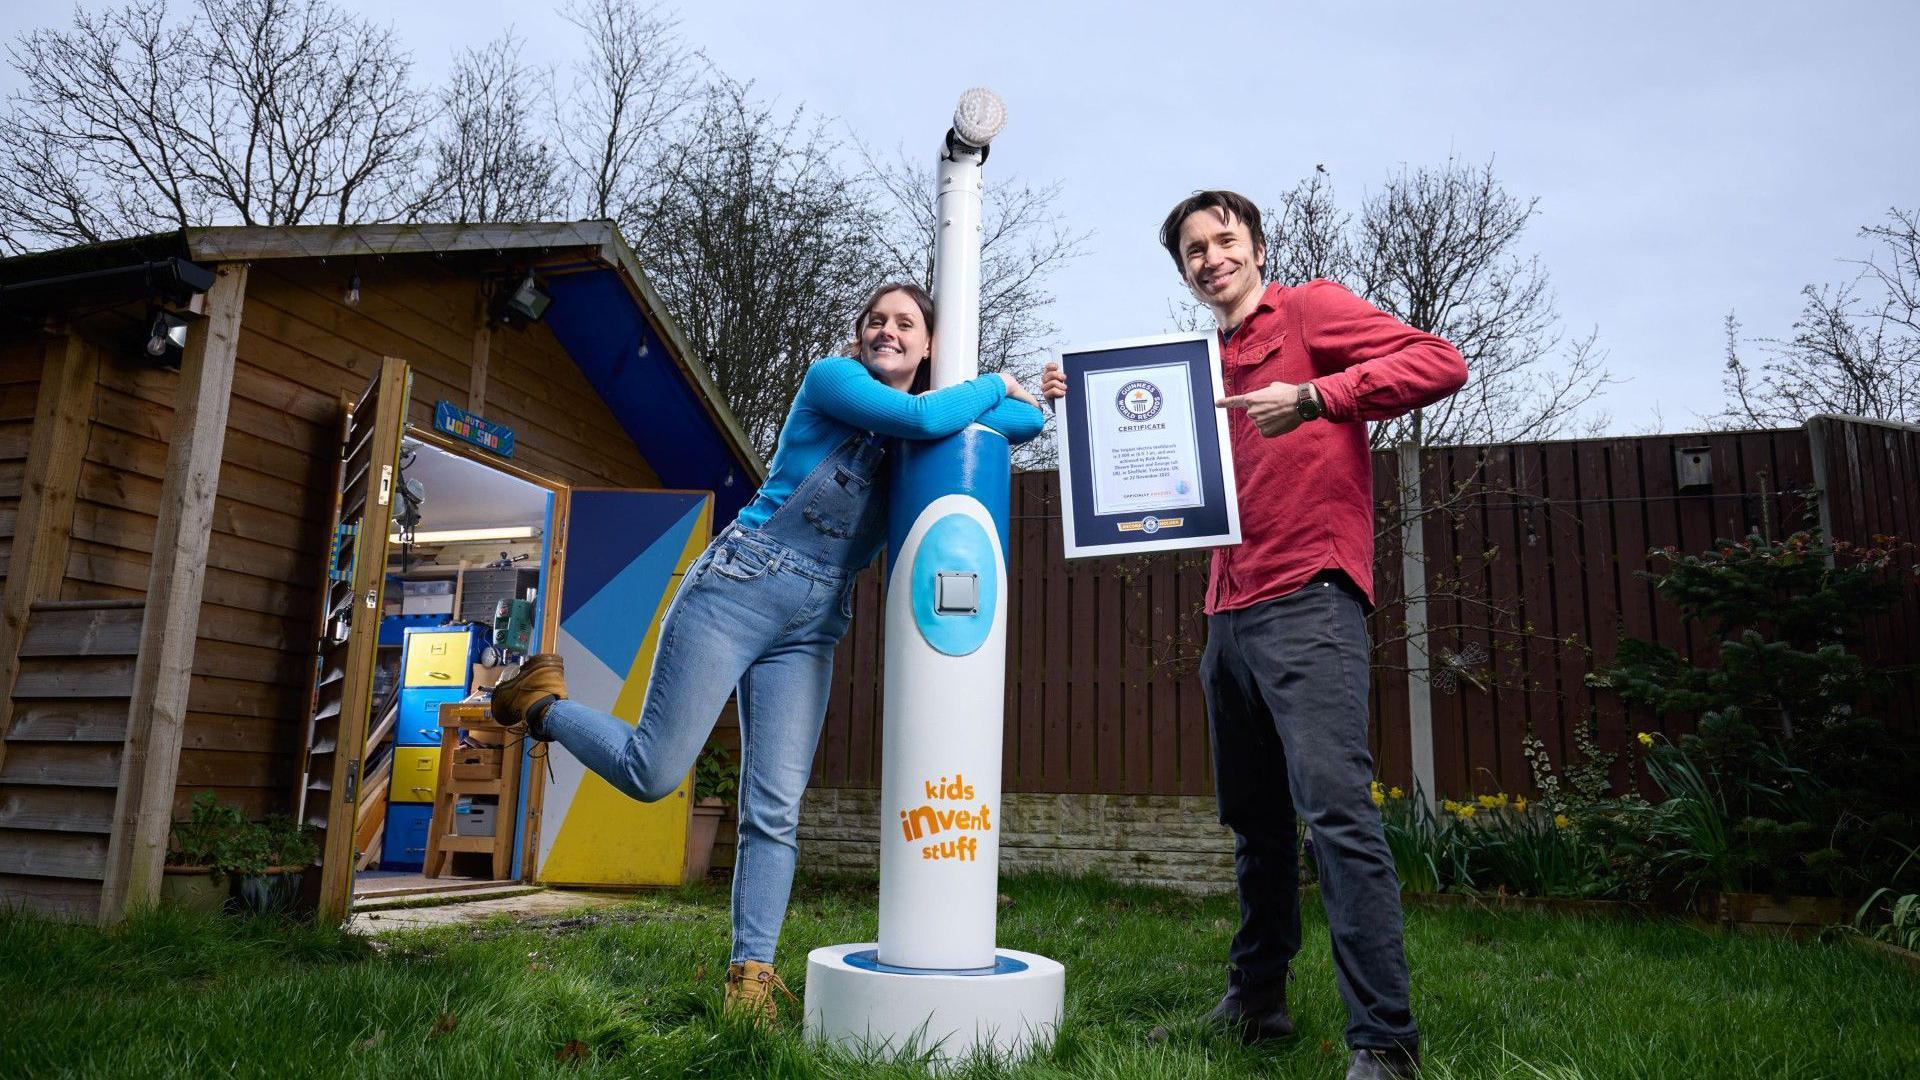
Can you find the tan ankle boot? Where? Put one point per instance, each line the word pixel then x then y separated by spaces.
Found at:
pixel 750 987
pixel 539 678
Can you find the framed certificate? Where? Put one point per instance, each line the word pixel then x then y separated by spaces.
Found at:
pixel 1144 459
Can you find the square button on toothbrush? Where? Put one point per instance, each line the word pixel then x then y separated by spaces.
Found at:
pixel 956 593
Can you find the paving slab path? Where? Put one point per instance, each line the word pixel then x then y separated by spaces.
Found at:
pixel 453 911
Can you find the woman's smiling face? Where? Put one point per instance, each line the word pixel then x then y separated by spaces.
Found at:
pixel 894 339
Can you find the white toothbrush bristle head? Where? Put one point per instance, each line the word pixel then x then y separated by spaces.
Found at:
pixel 979 116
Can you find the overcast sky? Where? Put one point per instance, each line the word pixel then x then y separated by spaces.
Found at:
pixel 1690 158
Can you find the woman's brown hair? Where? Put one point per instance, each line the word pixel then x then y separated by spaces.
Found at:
pixel 923 375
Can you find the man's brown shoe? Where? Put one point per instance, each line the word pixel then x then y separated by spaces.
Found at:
pixel 750 987
pixel 1254 1011
pixel 1395 1064
pixel 519 698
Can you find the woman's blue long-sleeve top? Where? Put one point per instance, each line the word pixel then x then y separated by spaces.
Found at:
pixel 839 397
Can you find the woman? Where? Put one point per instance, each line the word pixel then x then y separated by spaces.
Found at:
pixel 765 604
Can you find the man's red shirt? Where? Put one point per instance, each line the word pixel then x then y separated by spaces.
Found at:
pixel 1306 497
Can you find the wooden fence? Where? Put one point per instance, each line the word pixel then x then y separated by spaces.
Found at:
pixel 1525 568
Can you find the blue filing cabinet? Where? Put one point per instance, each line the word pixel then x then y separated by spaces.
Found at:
pixel 405 847
pixel 434 667
pixel 419 721
pixel 435 663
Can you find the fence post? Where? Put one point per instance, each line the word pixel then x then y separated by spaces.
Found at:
pixel 1413 586
pixel 1815 427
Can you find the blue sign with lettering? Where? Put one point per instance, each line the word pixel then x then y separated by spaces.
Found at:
pixel 463 425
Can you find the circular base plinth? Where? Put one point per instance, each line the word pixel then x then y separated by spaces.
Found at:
pixel 950 1016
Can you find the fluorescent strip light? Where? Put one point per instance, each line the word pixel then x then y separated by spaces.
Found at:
pixel 456 536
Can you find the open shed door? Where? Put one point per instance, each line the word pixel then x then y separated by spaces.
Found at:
pixel 621 559
pixel 356 569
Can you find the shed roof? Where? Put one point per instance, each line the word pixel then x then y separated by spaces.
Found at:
pixel 631 352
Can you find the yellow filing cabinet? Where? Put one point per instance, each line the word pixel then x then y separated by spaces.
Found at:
pixel 437 659
pixel 416 772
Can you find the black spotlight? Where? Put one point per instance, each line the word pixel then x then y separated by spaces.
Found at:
pixel 526 302
pixel 166 340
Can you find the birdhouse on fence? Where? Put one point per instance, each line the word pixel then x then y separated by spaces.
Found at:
pixel 1693 469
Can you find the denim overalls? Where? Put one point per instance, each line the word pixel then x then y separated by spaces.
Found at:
pixel 761 609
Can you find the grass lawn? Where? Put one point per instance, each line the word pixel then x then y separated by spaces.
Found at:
pixel 633 990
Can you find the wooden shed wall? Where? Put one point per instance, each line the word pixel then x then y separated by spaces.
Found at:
pixel 68 708
pixel 20 364
pixel 302 349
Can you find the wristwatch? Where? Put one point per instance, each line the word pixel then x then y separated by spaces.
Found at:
pixel 1308 406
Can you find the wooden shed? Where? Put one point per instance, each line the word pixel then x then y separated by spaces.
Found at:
pixel 204 438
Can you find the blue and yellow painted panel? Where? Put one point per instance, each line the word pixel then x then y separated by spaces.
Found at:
pixel 626 553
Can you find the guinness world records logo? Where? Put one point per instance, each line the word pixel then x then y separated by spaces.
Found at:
pixel 1138 400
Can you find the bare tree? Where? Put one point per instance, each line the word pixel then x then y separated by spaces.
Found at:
pixel 1855 348
pixel 323 120
pixel 489 163
pixel 271 112
pixel 1439 249
pixel 761 246
pixel 1308 234
pixel 1024 241
pixel 636 78
pixel 86 146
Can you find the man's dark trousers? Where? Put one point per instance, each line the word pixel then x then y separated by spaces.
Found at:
pixel 1286 684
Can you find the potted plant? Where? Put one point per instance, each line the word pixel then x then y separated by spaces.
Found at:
pixel 266 861
pixel 192 878
pixel 220 860
pixel 716 783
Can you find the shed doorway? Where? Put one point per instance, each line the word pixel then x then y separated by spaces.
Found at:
pixel 444 803
pixel 585 572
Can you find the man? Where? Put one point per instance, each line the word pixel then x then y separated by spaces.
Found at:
pixel 1286 665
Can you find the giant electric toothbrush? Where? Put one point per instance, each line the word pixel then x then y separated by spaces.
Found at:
pixel 935 978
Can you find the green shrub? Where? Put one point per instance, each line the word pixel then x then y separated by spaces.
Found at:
pixel 1413 835
pixel 221 837
pixel 1787 783
pixel 1492 843
pixel 716 776
pixel 198 840
pixel 1902 924
pixel 1891 917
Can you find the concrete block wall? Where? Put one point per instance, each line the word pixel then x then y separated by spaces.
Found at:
pixel 1175 841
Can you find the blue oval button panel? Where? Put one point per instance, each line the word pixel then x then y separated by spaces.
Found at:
pixel 955 544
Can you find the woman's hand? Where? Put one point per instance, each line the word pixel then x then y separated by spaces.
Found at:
pixel 1016 391
pixel 1053 383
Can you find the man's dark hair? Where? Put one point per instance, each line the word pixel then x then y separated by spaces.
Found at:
pixel 1236 206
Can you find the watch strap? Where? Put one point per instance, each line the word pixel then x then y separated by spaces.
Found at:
pixel 1307 405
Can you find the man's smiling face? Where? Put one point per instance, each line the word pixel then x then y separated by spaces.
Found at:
pixel 1220 259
